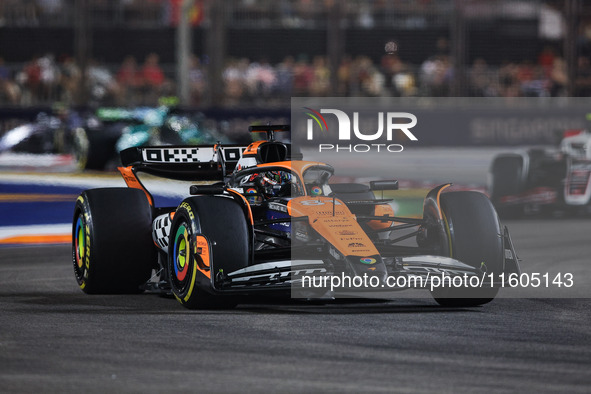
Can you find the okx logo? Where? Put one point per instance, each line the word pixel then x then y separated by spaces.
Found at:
pixel 369 127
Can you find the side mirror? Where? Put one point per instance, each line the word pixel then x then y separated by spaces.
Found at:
pixel 383 185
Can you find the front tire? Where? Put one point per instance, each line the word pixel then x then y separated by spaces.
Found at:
pixel 474 237
pixel 209 236
pixel 112 247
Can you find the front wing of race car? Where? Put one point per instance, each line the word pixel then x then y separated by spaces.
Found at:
pixel 423 268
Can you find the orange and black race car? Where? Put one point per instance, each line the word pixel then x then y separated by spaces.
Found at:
pixel 269 221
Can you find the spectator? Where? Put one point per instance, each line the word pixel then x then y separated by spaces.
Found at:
pixel 509 85
pixel 371 80
pixel 320 82
pixel 480 83
pixel 525 72
pixel 9 91
pixel 266 78
pixel 436 76
pixel 260 79
pixel 102 84
pixel 302 77
pixel 152 79
pixel 344 73
pixel 234 77
pixel 70 79
pixel 285 77
pixel 546 59
pixel 129 80
pixel 197 81
pixel 151 73
pixel 558 77
pixel 49 78
pixel 128 74
pixel 32 79
pixel 390 66
pixel 537 86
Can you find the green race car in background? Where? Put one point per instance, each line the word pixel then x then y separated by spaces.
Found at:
pixel 112 130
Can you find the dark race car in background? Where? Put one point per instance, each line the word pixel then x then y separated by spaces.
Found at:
pixel 94 138
pixel 544 180
pixel 45 130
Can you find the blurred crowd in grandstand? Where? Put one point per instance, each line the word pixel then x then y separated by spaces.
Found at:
pixel 57 78
pixel 48 79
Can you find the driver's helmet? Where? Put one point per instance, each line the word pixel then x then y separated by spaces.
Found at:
pixel 273 183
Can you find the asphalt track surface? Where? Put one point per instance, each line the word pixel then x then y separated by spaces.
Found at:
pixel 54 338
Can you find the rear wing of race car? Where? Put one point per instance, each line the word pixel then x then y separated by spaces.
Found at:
pixel 200 162
pixel 186 163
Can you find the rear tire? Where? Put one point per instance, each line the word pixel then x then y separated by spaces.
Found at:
pixel 95 148
pixel 112 247
pixel 474 237
pixel 209 235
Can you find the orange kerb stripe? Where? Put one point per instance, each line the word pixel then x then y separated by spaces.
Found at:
pixel 23 197
pixel 37 239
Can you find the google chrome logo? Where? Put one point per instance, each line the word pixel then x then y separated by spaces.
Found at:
pixel 367 260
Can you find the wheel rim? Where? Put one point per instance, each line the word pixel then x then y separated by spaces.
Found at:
pixel 181 257
pixel 80 251
pixel 79 242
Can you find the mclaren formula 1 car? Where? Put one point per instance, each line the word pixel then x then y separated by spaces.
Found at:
pixel 267 221
pixel 544 180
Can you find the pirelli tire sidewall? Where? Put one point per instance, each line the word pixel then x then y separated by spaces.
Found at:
pixel 82 227
pixel 221 226
pixel 112 247
pixel 193 281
